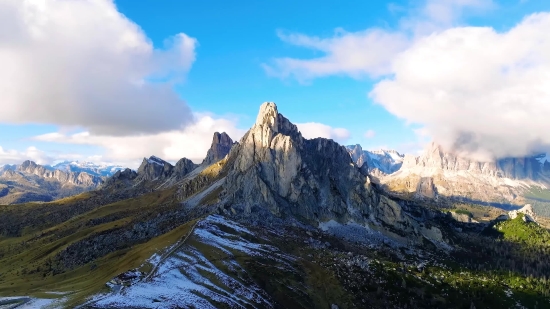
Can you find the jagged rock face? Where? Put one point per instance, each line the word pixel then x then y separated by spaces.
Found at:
pixel 121 177
pixel 221 145
pixel 444 176
pixel 378 161
pixel 31 182
pixel 153 174
pixel 514 168
pixel 426 188
pixel 276 168
pixel 183 167
pixel 74 178
pixel 153 168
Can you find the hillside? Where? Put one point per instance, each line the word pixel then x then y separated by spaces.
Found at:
pixel 279 221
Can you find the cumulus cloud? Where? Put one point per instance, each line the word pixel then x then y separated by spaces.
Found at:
pixel 369 52
pixel 370 134
pixel 358 54
pixel 11 156
pixel 435 15
pixel 311 130
pixel 191 142
pixel 82 63
pixel 477 91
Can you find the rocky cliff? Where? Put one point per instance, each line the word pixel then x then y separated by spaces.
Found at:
pixel 221 145
pixel 443 176
pixel 31 182
pixel 273 168
pixel 377 161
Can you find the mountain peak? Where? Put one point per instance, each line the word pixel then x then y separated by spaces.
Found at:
pixel 268 116
pixel 221 145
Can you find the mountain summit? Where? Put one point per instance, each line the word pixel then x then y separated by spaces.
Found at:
pixel 275 169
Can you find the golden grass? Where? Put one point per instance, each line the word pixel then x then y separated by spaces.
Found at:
pixel 22 267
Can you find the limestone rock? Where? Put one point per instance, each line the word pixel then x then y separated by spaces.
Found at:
pixel 183 167
pixel 377 161
pixel 221 145
pixel 153 168
pixel 274 168
pixel 527 211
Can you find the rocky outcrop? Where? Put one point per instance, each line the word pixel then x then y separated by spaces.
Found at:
pixel 183 167
pixel 123 178
pixel 154 168
pixel 527 211
pixel 273 167
pixel 221 145
pixel 153 173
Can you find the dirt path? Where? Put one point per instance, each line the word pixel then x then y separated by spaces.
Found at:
pixel 119 288
pixel 176 247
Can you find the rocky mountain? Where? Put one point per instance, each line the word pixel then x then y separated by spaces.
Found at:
pixel 279 221
pixel 221 145
pixel 91 168
pixel 377 161
pixel 155 173
pixel 273 169
pixel 445 177
pixel 30 182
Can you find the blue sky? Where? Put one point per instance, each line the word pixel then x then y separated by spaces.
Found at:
pixel 231 67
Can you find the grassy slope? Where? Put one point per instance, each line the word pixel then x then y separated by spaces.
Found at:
pixel 25 261
pixel 45 229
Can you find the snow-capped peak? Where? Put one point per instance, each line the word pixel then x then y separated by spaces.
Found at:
pixel 156 160
pixel 88 167
pixel 387 161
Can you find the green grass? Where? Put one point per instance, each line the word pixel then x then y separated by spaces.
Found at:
pixel 26 261
pixel 464 212
pixel 517 230
pixel 538 193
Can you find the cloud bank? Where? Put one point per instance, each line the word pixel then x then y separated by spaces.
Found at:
pixel 311 130
pixel 482 93
pixel 191 142
pixel 82 63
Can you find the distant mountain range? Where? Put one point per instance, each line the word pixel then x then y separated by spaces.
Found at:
pixel 31 182
pixel 276 220
pixel 441 176
pixel 87 167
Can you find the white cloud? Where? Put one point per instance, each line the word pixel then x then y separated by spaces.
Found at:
pixel 82 63
pixel 311 130
pixel 369 52
pixel 191 142
pixel 369 134
pixel 366 53
pixel 436 15
pixel 475 90
pixel 11 156
pixel 480 92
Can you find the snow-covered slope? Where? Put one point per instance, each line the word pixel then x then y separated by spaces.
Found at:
pixel 91 168
pixel 385 161
pixel 189 277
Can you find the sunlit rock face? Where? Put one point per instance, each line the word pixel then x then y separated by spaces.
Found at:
pixel 273 167
pixel 221 145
